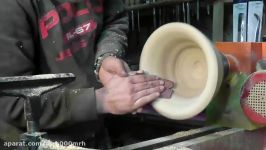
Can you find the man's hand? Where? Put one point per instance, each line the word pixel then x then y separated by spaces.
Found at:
pixel 110 67
pixel 123 95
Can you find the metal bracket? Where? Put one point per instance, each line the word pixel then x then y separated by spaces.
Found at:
pixel 31 88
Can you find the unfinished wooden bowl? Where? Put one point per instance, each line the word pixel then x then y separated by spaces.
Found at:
pixel 181 53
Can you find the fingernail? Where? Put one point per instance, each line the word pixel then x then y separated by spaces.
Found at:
pixel 132 73
pixel 161 88
pixel 140 71
pixel 157 94
pixel 166 94
pixel 157 78
pixel 161 82
pixel 139 110
pixel 123 74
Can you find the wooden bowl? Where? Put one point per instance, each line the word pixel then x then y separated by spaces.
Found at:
pixel 181 53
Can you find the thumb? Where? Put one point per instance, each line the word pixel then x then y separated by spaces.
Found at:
pixel 126 67
pixel 115 65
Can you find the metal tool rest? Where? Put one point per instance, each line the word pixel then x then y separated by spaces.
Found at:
pixel 30 88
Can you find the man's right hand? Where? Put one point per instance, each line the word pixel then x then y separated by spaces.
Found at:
pixel 124 95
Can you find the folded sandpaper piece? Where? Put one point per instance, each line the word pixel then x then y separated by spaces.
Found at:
pixel 168 84
pixel 167 93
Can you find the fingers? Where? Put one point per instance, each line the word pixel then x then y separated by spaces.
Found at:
pixel 145 100
pixel 104 76
pixel 115 65
pixel 139 72
pixel 139 110
pixel 169 84
pixel 139 77
pixel 126 67
pixel 151 90
pixel 147 85
pixel 145 93
pixel 142 78
pixel 148 92
pixel 167 93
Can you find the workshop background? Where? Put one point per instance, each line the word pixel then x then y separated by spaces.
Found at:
pixel 213 18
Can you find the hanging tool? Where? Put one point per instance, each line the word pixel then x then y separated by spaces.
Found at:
pixel 137 2
pixel 208 9
pixel 131 3
pixel 188 12
pixel 177 17
pixel 241 28
pixel 184 12
pixel 173 12
pixel 198 9
pixel 160 15
pixel 163 15
pixel 258 28
pixel 154 16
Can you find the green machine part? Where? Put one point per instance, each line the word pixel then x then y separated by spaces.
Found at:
pixel 225 109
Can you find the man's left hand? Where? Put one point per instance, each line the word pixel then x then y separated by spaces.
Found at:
pixel 112 66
